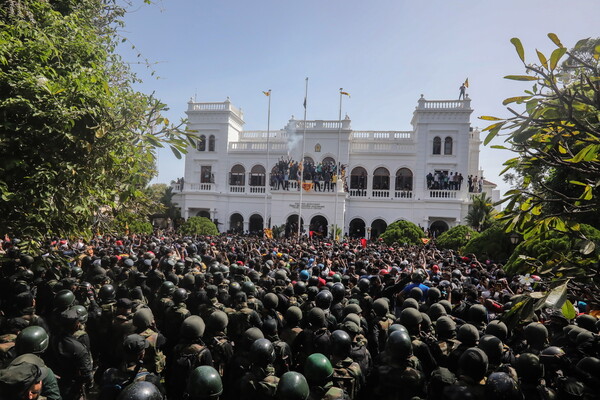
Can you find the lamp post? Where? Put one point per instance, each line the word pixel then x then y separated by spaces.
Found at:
pixel 468 236
pixel 514 238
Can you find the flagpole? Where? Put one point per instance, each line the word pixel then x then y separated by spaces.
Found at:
pixel 337 171
pixel 302 160
pixel 267 170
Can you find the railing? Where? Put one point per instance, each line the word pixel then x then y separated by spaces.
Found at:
pixel 224 106
pixel 381 193
pixel 204 187
pixel 358 193
pixel 444 104
pixel 237 189
pixel 257 146
pixel 374 147
pixel 444 194
pixel 176 187
pixel 403 194
pixel 320 124
pixel 257 189
pixel 262 135
pixel 382 135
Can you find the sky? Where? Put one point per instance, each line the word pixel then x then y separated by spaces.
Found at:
pixel 385 53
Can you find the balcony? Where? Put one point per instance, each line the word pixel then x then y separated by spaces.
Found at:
pixel 444 194
pixel 193 187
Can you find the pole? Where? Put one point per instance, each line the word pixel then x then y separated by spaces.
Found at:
pixel 267 170
pixel 302 161
pixel 337 171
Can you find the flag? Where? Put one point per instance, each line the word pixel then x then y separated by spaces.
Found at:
pixel 466 82
pixel 307 186
pixel 304 104
pixel 363 242
pixel 425 240
pixel 345 93
pixel 267 93
pixel 268 233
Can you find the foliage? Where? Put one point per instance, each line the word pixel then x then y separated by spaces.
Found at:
pixel 278 230
pixel 402 232
pixel 75 137
pixel 493 244
pixel 130 223
pixel 455 238
pixel 481 213
pixel 199 226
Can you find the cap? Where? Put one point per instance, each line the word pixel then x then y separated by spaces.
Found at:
pixel 124 303
pixel 15 379
pixel 135 344
pixel 70 315
pixel 31 359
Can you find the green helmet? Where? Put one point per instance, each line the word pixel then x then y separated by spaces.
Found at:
pixel 107 293
pixel 399 346
pixel 477 314
pixel 529 368
pixel 336 278
pixel 292 386
pixel 262 353
pixel 397 327
pixel 204 383
pixel 271 301
pixel 180 295
pixel 63 299
pixel 435 311
pixel 82 312
pixel 468 334
pixel 141 390
pixel 317 369
pixel 166 289
pixel 33 339
pixel 293 315
pixel 536 334
pixel 498 329
pixel 192 327
pixel 445 326
pixel 249 288
pixel 492 346
pixel 143 318
pixel 217 321
pixel 381 307
pixel 410 317
pixel 234 287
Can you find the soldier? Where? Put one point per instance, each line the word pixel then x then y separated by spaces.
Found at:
pixel 530 371
pixel 175 315
pixel 250 289
pixel 319 376
pixel 244 317
pixel 292 386
pixel 411 319
pixel 271 302
pixel 162 302
pixel 472 368
pixel 501 386
pixel 121 327
pixel 445 328
pixel 204 383
pixel 241 361
pixel 346 373
pixel 337 307
pixel 358 350
pixel 323 300
pixel 468 336
pixel 316 338
pixel 145 326
pixel 260 382
pixel 291 328
pixel 283 352
pixel 141 391
pixel 536 336
pixel 21 382
pixel 380 323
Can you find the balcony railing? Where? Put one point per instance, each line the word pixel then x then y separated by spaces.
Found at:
pixel 237 189
pixel 444 194
pixel 403 194
pixel 257 189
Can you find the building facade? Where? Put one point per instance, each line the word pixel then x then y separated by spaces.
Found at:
pixel 361 181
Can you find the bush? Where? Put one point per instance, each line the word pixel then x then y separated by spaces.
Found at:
pixel 455 238
pixel 130 223
pixel 199 226
pixel 402 232
pixel 493 244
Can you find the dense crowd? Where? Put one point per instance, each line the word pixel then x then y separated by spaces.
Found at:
pixel 251 318
pixel 322 175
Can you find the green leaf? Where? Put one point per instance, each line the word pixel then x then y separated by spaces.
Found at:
pixel 518 99
pixel 500 147
pixel 556 56
pixel 489 118
pixel 521 77
pixel 568 310
pixel 557 296
pixel 519 48
pixel 493 132
pixel 555 39
pixel 176 152
pixel 542 58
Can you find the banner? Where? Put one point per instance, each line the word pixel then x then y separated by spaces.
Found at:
pixel 363 242
pixel 425 240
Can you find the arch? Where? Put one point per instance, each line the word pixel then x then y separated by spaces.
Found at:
pixel 201 144
pixel 438 227
pixel 257 175
pixel 437 145
pixel 236 223
pixel 291 225
pixel 319 226
pixel 237 175
pixel 358 178
pixel 404 179
pixel 381 179
pixel 448 146
pixel 203 213
pixel 328 160
pixel 211 143
pixel 357 228
pixel 255 224
pixel 309 159
pixel 377 228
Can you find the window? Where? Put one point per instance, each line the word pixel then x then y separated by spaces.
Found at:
pixel 437 145
pixel 202 143
pixel 206 174
pixel 404 179
pixel 237 176
pixel 358 178
pixel 257 176
pixel 211 143
pixel 448 146
pixel 381 179
pixel 317 148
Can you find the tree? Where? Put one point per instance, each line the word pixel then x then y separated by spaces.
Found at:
pixel 199 226
pixel 481 213
pixel 75 137
pixel 402 232
pixel 455 238
pixel 493 244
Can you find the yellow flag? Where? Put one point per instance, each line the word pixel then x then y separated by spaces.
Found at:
pixel 345 93
pixel 267 93
pixel 467 82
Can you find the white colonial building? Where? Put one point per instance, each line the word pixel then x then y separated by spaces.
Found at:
pixel 228 177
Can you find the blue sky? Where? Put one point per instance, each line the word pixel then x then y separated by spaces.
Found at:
pixel 386 53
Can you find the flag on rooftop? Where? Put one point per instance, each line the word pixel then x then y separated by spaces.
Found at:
pixel 345 93
pixel 467 82
pixel 267 93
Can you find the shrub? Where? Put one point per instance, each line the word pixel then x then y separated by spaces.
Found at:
pixel 455 238
pixel 199 226
pixel 402 232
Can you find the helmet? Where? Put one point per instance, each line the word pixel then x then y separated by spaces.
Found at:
pixel 552 356
pixel 304 275
pixel 299 288
pixel 180 295
pixel 590 365
pixel 166 289
pixel 324 299
pixel 82 312
pixel 204 383
pixel 143 318
pixel 433 295
pixel 269 327
pixel 341 343
pixel 492 346
pixel 500 386
pixel 336 278
pixel 399 346
pixel 468 334
pixel 410 317
pixel 381 307
pixel 217 321
pixel 363 284
pixel 498 329
pixel 338 291
pixel 141 390
pixel 528 367
pixel 410 303
pixel 249 288
pixel 293 315
pixel 271 301
pixel 536 334
pixel 445 326
pixel 435 311
pixel 235 287
pixel 415 293
pixel 262 353
pixel 107 293
pixel 352 309
pixel 317 369
pixel 316 317
pixel 292 386
pixel 446 304
pixel 473 363
pixel 192 327
pixel 251 335
pixel 417 277
pixel 587 321
pixel 477 314
pixel 33 339
pixel 64 299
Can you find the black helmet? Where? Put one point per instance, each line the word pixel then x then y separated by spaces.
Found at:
pixel 477 314
pixel 500 386
pixel 180 295
pixel 33 339
pixel 270 301
pixel 341 343
pixel 269 328
pixel 536 334
pixel 317 369
pixel 381 307
pixel 299 288
pixel 363 285
pixel 107 293
pixel 235 287
pixel 293 315
pixel 143 318
pixel 473 363
pixel 498 329
pixel 292 386
pixel 166 289
pixel 338 291
pixel 397 327
pixel 468 334
pixel 410 317
pixel 399 346
pixel 262 353
pixel 492 346
pixel 82 312
pixel 529 368
pixel 417 277
pixel 587 321
pixel 140 390
pixel 324 299
pixel 251 335
pixel 64 299
pixel 589 366
pixel 217 321
pixel 204 383
pixel 192 327
pixel 435 311
pixel 249 288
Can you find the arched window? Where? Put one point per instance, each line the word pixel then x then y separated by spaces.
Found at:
pixel 211 143
pixel 404 179
pixel 202 143
pixel 237 175
pixel 257 176
pixel 328 160
pixel 381 179
pixel 448 146
pixel 309 160
pixel 437 145
pixel 358 178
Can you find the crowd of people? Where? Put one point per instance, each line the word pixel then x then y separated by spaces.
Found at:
pixel 322 175
pixel 231 317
